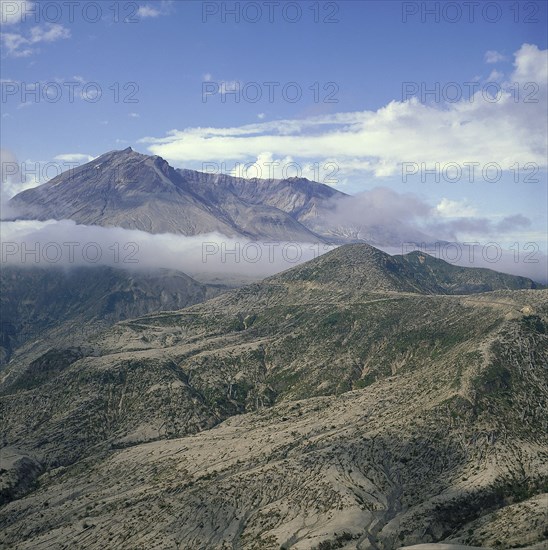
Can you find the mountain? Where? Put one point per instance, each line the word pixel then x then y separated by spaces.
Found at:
pixel 360 267
pixel 135 191
pixel 46 307
pixel 341 404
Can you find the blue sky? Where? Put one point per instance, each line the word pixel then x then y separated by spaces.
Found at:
pixel 358 54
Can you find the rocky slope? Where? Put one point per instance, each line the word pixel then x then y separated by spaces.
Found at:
pixel 46 307
pixel 341 404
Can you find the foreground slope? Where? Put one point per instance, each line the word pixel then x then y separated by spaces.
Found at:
pixel 375 416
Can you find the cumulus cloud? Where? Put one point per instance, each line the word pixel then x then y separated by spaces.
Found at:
pixel 80 158
pixel 531 65
pixel 10 173
pixel 17 176
pixel 19 45
pixel 228 86
pixel 221 87
pixel 266 167
pixel 475 129
pixel 148 11
pixel 455 209
pixel 492 56
pixel 495 76
pixel 14 178
pixel 14 44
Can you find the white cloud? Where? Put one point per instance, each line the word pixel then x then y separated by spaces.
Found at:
pixel 495 76
pixel 492 56
pixel 223 86
pixel 447 208
pixel 261 116
pixel 134 115
pixel 531 65
pixel 147 11
pixel 15 45
pixel 15 177
pixel 18 45
pixel 18 175
pixel 195 254
pixel 228 86
pixel 74 157
pixel 266 166
pixel 66 243
pixel 48 33
pixel 480 130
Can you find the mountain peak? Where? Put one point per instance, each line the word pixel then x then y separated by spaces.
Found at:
pixel 129 189
pixel 122 153
pixel 359 266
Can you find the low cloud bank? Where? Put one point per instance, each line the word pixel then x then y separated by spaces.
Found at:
pixel 64 243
